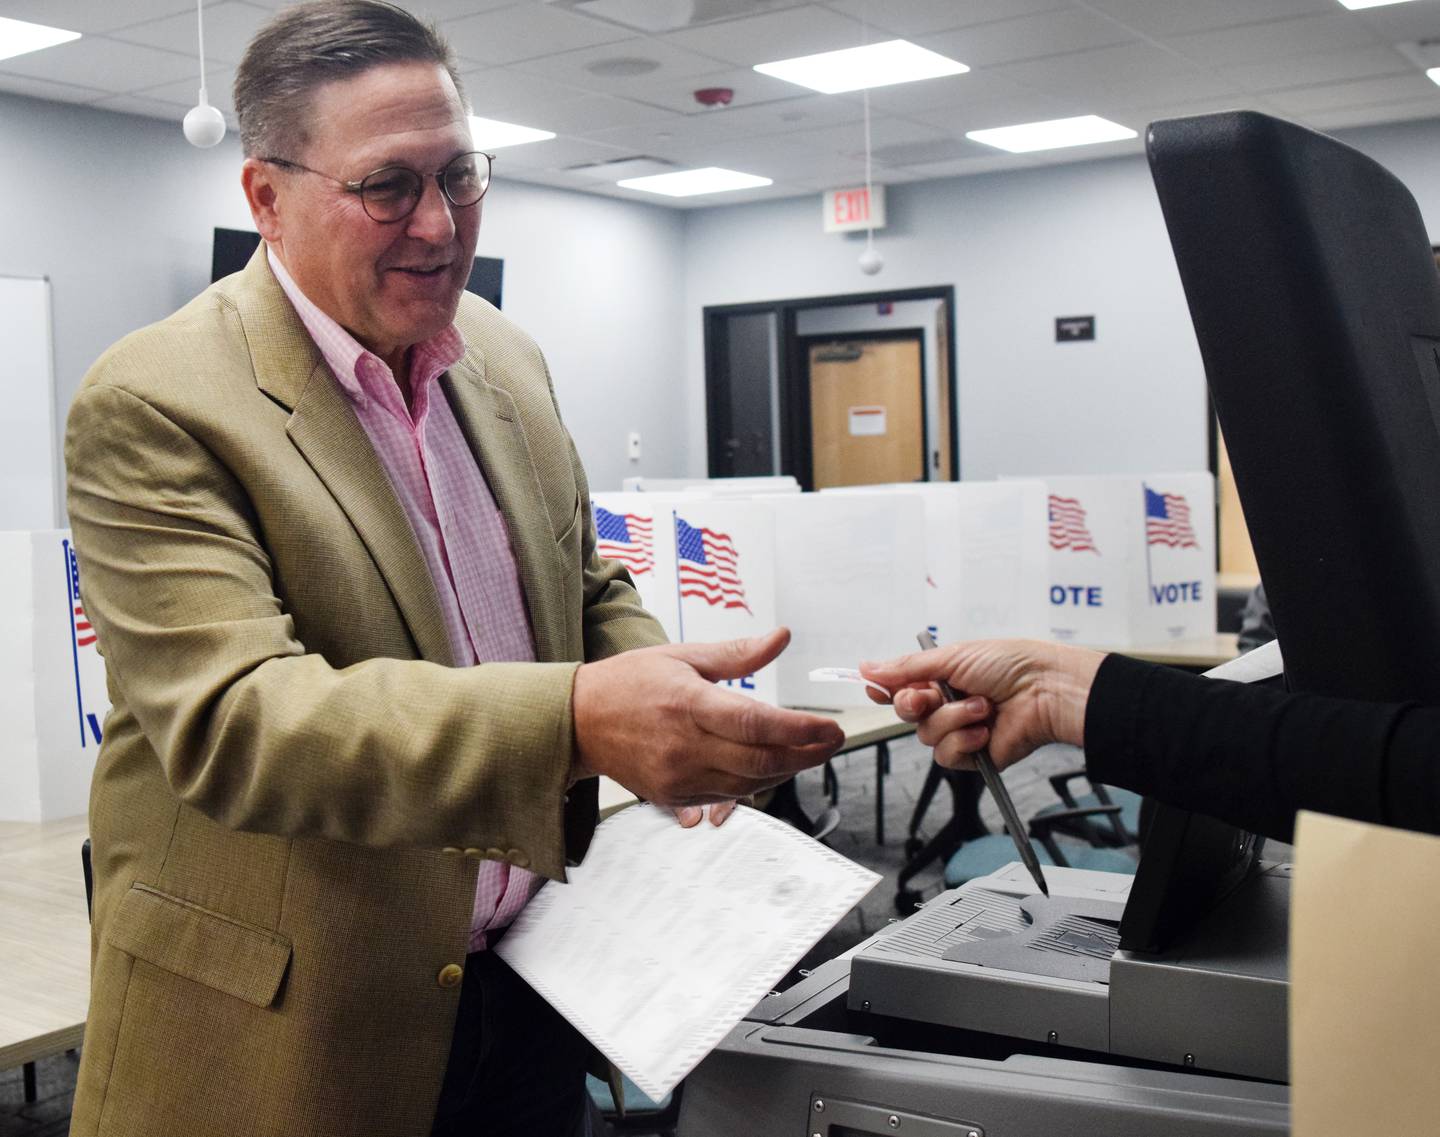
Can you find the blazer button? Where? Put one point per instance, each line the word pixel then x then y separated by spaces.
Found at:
pixel 450 975
pixel 451 850
pixel 495 854
pixel 517 858
pixel 473 853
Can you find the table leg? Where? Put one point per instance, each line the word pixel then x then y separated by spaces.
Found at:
pixel 882 767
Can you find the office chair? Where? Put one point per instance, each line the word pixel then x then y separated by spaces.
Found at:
pixel 1114 829
pixel 983 855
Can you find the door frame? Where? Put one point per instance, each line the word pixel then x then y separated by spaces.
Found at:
pixel 794 415
pixel 803 443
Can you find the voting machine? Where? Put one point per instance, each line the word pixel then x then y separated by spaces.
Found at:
pixel 1158 1006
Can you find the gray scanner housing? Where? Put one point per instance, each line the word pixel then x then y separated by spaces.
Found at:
pixel 1191 1041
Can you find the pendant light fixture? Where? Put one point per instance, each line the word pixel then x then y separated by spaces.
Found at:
pixel 204 125
pixel 871 261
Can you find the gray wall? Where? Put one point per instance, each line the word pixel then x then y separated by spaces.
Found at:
pixel 1021 248
pixel 118 210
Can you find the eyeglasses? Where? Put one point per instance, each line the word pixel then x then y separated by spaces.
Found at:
pixel 392 193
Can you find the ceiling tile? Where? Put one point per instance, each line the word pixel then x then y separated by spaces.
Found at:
pixel 776 35
pixel 1171 17
pixel 91 16
pixel 218 81
pixel 527 31
pixel 921 17
pixel 515 96
pixel 586 68
pixel 46 89
pixel 438 10
pixel 943 91
pixel 1276 40
pixel 751 90
pixel 1346 117
pixel 596 112
pixel 1134 72
pixel 1319 68
pixel 1032 106
pixel 1364 92
pixel 556 154
pixel 1029 37
pixel 1397 23
pixel 143 105
pixel 229 28
pixel 106 63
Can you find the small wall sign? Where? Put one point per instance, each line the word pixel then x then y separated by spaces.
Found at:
pixel 1072 329
pixel 867 421
pixel 844 210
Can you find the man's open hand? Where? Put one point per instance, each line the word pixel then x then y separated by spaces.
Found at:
pixel 654 721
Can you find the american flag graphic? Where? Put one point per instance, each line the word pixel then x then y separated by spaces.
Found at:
pixel 1067 526
pixel 1167 520
pixel 626 538
pixel 84 633
pixel 709 566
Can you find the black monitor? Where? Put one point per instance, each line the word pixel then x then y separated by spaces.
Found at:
pixel 233 248
pixel 1316 304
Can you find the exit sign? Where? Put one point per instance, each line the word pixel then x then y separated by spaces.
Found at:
pixel 846 209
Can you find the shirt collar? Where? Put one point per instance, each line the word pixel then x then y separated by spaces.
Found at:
pixel 361 373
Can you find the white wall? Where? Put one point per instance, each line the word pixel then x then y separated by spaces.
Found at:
pixel 117 210
pixel 1021 248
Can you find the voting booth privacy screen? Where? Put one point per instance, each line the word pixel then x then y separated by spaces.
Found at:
pixel 54 701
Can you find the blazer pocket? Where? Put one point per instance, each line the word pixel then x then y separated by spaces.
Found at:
pixel 225 954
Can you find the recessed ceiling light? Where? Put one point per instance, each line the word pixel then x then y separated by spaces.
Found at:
pixel 17 37
pixel 1052 135
pixel 491 133
pixel 688 183
pixel 855 68
pixel 1353 4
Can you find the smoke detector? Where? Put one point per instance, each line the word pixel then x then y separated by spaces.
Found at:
pixel 714 97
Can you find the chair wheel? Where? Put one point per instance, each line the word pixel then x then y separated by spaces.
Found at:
pixel 906 901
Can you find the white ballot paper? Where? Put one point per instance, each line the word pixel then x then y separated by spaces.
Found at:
pixel 664 938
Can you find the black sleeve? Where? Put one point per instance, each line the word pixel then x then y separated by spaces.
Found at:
pixel 1254 755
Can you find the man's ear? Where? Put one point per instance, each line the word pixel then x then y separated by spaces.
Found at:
pixel 259 181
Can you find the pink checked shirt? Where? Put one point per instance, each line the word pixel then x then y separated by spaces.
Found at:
pixel 455 519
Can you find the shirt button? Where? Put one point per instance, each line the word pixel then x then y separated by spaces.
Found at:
pixel 518 859
pixel 450 975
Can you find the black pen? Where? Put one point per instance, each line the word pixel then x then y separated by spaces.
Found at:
pixel 1018 833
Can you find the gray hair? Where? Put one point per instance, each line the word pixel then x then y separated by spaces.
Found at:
pixel 312 44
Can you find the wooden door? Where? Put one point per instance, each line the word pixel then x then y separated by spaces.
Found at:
pixel 867 412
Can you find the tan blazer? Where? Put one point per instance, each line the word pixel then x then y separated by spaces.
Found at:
pixel 295 788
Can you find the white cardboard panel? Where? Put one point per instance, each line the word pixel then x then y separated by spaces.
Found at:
pixel 987 563
pixel 743 487
pixel 28 499
pixel 1122 577
pixel 56 700
pixel 1179 534
pixel 850 582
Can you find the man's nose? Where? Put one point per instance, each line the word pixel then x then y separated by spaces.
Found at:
pixel 432 220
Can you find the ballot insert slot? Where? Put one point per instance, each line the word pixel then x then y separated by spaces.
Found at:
pixel 837 1117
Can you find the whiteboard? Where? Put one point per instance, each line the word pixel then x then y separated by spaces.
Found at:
pixel 28 465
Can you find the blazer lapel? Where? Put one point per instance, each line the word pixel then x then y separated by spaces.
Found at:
pixel 491 425
pixel 323 426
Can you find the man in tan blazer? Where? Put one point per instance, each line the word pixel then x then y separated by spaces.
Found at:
pixel 298 786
